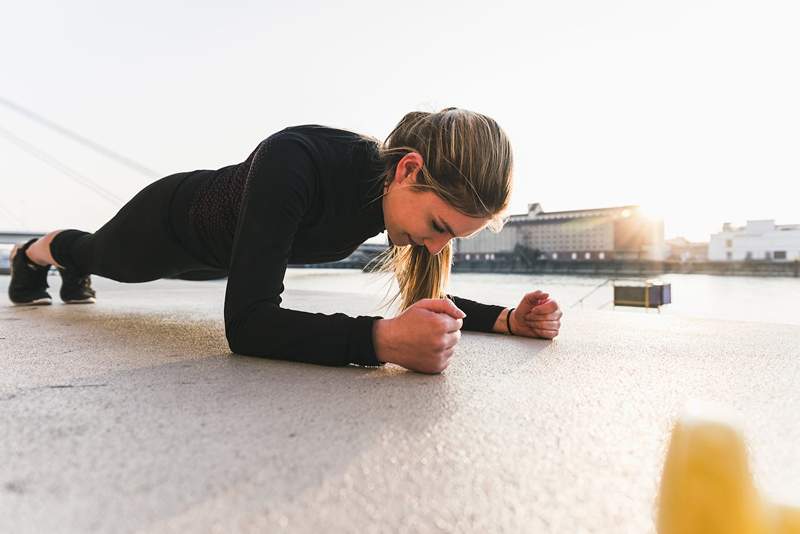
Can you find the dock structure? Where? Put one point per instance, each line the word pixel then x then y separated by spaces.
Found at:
pixel 132 415
pixel 526 260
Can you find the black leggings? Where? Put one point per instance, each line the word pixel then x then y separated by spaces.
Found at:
pixel 149 238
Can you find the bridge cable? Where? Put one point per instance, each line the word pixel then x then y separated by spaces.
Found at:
pixel 46 158
pixel 97 147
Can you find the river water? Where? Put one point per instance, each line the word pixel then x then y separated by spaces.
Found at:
pixel 740 298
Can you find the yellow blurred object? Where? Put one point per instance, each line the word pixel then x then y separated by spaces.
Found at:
pixel 707 488
pixel 786 520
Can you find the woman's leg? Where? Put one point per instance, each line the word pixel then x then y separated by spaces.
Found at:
pixel 138 244
pixel 39 251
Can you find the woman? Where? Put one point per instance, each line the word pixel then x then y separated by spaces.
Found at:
pixel 310 194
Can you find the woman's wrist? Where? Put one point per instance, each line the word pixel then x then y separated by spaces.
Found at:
pixel 379 336
pixel 501 323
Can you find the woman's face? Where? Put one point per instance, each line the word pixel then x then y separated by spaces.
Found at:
pixel 422 219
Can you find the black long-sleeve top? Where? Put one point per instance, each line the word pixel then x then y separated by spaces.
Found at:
pixel 306 194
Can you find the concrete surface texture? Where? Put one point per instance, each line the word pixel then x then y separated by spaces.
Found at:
pixel 132 415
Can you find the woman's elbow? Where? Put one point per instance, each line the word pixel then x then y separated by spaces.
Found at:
pixel 240 341
pixel 236 343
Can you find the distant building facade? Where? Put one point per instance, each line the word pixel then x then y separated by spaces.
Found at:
pixel 758 240
pixel 577 235
pixel 681 249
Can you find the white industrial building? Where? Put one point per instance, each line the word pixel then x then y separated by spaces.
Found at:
pixel 758 240
pixel 620 233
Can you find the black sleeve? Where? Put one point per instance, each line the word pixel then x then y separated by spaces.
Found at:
pixel 280 185
pixel 480 317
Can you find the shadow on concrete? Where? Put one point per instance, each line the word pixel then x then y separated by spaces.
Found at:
pixel 148 416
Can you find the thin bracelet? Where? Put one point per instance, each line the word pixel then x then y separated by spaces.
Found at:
pixel 508 320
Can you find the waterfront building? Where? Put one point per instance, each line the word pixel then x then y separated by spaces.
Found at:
pixel 757 240
pixel 617 233
pixel 681 249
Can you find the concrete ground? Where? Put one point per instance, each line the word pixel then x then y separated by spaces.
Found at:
pixel 132 415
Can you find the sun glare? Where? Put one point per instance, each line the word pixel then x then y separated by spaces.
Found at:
pixel 653 212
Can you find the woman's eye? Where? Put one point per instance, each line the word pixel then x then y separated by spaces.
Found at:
pixel 435 227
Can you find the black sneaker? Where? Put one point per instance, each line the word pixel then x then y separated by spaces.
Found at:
pixel 28 285
pixel 76 288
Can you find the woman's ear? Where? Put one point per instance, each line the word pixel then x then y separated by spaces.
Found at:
pixel 408 167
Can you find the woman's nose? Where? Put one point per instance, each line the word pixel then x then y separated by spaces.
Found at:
pixel 435 246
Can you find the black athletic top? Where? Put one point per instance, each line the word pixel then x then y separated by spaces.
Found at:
pixel 306 194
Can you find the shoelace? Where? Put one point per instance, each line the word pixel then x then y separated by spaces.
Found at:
pixel 84 281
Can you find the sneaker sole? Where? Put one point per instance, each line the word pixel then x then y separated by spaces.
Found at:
pixel 90 300
pixel 37 302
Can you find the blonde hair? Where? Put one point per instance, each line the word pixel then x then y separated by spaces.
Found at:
pixel 468 163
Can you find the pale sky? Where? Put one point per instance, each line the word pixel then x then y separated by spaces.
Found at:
pixel 688 108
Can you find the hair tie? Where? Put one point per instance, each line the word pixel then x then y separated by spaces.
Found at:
pixel 508 320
